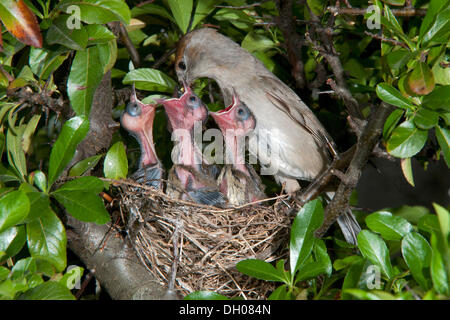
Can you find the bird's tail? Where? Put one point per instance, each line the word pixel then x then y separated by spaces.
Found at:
pixel 347 222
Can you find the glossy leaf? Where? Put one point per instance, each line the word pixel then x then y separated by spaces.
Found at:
pixel 444 221
pixel 47 239
pixel 11 242
pixel 21 22
pixel 204 8
pixel 416 252
pixel 406 140
pixel 308 219
pixel 99 11
pixel 439 99
pixel 426 119
pixel 391 122
pixel 440 29
pixel 14 208
pixel 150 80
pixel 84 165
pixel 320 265
pixel 443 137
pixel 98 34
pixel 115 165
pixel 40 180
pixel 181 10
pixel 58 32
pixel 72 133
pixel 434 7
pixel 85 75
pixel 390 227
pixel 439 276
pixel 390 95
pixel 421 80
pixel 281 293
pixel 49 290
pixel 43 62
pixel 260 270
pixel 151 8
pixel 374 248
pixel 81 200
pixel 16 155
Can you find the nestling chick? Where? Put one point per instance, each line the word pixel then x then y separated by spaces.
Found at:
pixel 237 180
pixel 137 119
pixel 189 172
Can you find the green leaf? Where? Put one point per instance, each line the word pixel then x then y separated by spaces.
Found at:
pixel 260 270
pixel 47 239
pixel 89 183
pixel 395 2
pixel 254 42
pixel 434 8
pixel 321 265
pixel 39 202
pixel 72 133
pixel 426 119
pixel 203 9
pixel 390 227
pixel 84 77
pixel 40 180
pixel 421 80
pixel 49 290
pixel 390 95
pixel 98 34
pixel 154 9
pixel 281 293
pixel 429 223
pixel 115 165
pixel 205 295
pixel 406 140
pixel 16 155
pixel 370 295
pixel 14 208
pixel 439 276
pixel 353 277
pixel 374 248
pixel 237 18
pixel 150 80
pixel 438 99
pixel 417 254
pixel 308 219
pixel 181 10
pixel 346 262
pixel 406 166
pixel 107 54
pixel 391 122
pixel 71 277
pixel 439 30
pixel 84 165
pixel 43 62
pixel 58 32
pixel 11 242
pixel 443 137
pixel 99 11
pixel 444 220
pixel 81 200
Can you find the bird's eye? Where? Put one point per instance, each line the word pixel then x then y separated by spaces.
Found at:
pixel 133 109
pixel 182 65
pixel 242 113
pixel 193 102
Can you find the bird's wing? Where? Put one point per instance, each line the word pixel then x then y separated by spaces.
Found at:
pixel 303 119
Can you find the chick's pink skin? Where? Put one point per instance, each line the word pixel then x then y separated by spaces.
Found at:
pixel 141 126
pixel 183 114
pixel 234 128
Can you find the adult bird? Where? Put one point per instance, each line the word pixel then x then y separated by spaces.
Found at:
pixel 237 180
pixel 190 178
pixel 138 119
pixel 290 142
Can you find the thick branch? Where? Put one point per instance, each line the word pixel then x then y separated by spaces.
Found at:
pixel 294 43
pixel 366 143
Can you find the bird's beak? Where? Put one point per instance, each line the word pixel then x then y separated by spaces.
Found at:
pixel 176 105
pixel 224 118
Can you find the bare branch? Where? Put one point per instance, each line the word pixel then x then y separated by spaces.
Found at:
pixel 406 12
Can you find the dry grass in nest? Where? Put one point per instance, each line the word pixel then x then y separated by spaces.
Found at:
pixel 202 243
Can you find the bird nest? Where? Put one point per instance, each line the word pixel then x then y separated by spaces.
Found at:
pixel 190 247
